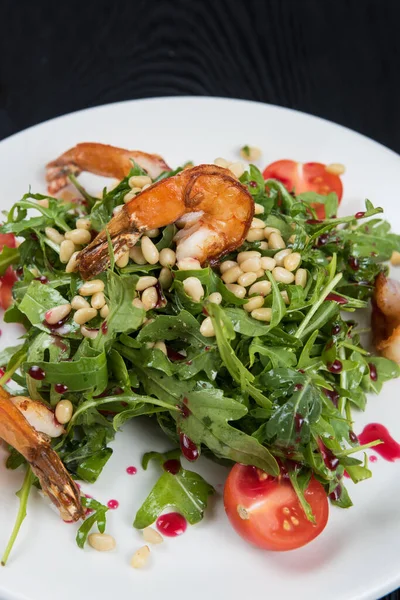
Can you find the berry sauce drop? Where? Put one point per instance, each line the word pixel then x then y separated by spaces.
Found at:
pixel 113 504
pixel 36 373
pixel 61 388
pixel 336 298
pixel 171 524
pixel 131 470
pixel 372 372
pixel 389 449
pixel 172 466
pixel 189 448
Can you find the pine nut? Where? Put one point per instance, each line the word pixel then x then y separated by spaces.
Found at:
pixel 232 275
pixel 260 273
pixel 243 256
pixel 335 169
pixel 72 263
pixel 207 328
pixel 83 224
pixel 98 300
pixel 104 312
pixel 57 313
pixel 268 263
pixel 137 303
pixel 153 233
pixel 261 288
pixel 152 536
pixel 292 239
pixel 281 275
pixel 221 162
pixel 257 224
pixel 262 314
pixel 193 288
pixel 301 277
pixel 146 186
pixel 254 303
pixel 67 248
pixel 136 255
pixel 89 333
pixel 64 410
pixel 132 194
pixel 140 558
pixel 150 298
pixel 160 345
pixel 165 278
pixel 292 261
pixel 225 266
pixel 250 153
pixel 91 287
pixel 395 258
pixel 280 256
pixel 83 315
pixel 237 168
pixel 139 181
pixel 285 297
pixel 189 264
pixel 78 236
pixel 54 235
pixel 149 250
pixel 102 542
pixel 276 242
pixel 263 245
pixel 167 257
pixel 269 230
pixel 258 209
pixel 247 278
pixel 123 260
pixel 215 298
pixel 44 203
pixel 78 302
pixel 238 290
pixel 255 235
pixel 251 265
pixel 145 282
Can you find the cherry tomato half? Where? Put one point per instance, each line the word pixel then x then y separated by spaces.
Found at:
pixel 9 277
pixel 305 177
pixel 266 511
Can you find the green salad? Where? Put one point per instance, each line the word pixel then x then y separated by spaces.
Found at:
pixel 265 370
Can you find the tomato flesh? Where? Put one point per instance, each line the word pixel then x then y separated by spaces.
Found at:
pixel 266 511
pixel 9 278
pixel 305 177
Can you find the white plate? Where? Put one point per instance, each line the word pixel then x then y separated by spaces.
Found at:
pixel 356 557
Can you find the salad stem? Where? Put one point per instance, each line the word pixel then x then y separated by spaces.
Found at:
pixel 328 288
pixel 10 372
pixel 23 495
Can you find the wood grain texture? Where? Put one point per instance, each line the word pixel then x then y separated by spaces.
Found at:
pixel 339 60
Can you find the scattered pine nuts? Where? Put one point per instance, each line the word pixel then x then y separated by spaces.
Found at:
pixel 103 542
pixel 226 265
pixel 67 248
pixel 253 303
pixel 138 303
pixel 104 312
pixel 150 298
pixel 165 278
pixel 83 224
pixel 268 263
pixel 145 282
pixel 98 300
pixel 123 260
pixel 149 250
pixel 89 332
pixel 72 263
pixel 263 245
pixel 207 328
pixel 269 230
pixel 237 168
pixel 136 255
pixel 167 257
pixel 238 290
pixel 221 162
pixel 301 277
pixel 139 181
pixel 91 287
pixel 261 288
pixel 152 536
pixel 251 265
pixel 247 279
pixel 78 302
pixel 78 236
pixel 132 194
pixel 140 558
pixel 280 256
pixel 215 298
pixel 160 345
pixel 54 235
pixel 83 315
pixel 58 313
pixel 335 169
pixel 255 235
pixel 153 233
pixel 257 223
pixel 262 314
pixel 193 288
pixel 276 241
pixel 63 412
pixel 285 297
pixel 232 275
pixel 250 153
pixel 292 261
pixel 189 264
pixel 260 273
pixel 281 275
pixel 244 256
pixel 258 209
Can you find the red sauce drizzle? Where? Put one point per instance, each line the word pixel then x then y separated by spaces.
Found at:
pixel 173 466
pixel 131 470
pixel 330 459
pixel 336 298
pixel 189 448
pixel 36 373
pixel 173 355
pixel 389 449
pixel 113 504
pixel 372 372
pixel 373 458
pixel 171 524
pixel 104 328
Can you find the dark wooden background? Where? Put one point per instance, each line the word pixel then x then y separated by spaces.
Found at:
pixel 336 59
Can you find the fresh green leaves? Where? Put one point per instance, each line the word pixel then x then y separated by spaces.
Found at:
pixel 97 518
pixel 183 490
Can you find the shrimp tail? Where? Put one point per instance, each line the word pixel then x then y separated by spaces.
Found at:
pixel 44 461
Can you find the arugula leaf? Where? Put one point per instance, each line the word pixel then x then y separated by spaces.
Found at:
pixel 97 518
pixel 8 256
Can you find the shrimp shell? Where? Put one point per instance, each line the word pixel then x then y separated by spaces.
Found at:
pixel 385 320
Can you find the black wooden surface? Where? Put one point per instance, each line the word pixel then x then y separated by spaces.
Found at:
pixel 339 60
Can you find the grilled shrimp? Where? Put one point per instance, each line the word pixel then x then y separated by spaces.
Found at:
pixel 224 211
pixel 21 421
pixel 100 159
pixel 385 319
